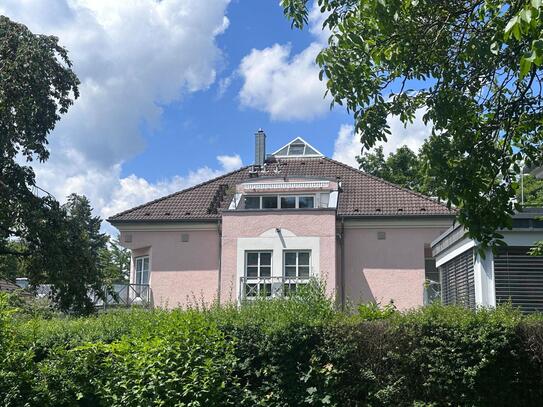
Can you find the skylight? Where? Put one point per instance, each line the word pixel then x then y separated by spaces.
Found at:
pixel 297 148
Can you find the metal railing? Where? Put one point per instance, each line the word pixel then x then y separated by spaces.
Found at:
pixel 269 287
pixel 125 295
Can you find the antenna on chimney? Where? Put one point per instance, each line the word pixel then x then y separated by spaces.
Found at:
pixel 260 147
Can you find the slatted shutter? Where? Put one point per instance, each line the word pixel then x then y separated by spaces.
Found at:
pixel 519 278
pixel 457 280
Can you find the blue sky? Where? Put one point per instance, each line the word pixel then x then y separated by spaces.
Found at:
pixel 172 92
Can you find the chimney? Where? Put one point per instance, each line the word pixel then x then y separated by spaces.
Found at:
pixel 260 147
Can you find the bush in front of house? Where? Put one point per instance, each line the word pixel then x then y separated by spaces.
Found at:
pixel 289 352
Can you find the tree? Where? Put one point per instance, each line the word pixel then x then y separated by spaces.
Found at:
pixel 533 191
pixel 37 85
pixel 70 260
pixel 473 67
pixel 403 167
pixel 115 260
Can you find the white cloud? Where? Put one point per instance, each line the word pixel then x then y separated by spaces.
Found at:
pixel 230 162
pixel 286 86
pixel 347 145
pixel 132 57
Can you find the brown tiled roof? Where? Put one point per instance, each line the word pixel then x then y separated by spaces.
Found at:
pixel 361 195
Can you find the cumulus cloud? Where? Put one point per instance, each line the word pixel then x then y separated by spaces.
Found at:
pixel 132 57
pixel 347 145
pixel 286 86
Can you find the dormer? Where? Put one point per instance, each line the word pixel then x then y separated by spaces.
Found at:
pixel 285 194
pixel 297 148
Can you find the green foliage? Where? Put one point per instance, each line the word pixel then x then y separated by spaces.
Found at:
pixel 115 262
pixel 403 167
pixel 473 67
pixel 37 85
pixel 290 352
pixel 533 191
pixel 54 244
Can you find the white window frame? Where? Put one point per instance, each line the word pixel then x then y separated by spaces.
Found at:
pixel 139 273
pixel 262 286
pixel 278 197
pixel 292 282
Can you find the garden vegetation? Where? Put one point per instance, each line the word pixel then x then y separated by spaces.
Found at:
pixel 285 352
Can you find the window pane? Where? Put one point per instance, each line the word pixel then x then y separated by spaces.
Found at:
pixel 303 258
pixel 296 149
pixel 290 271
pixel 288 202
pixel 269 202
pixel 138 277
pixel 303 271
pixel 139 264
pixel 265 271
pixel 145 277
pixel 252 259
pixel 306 202
pixel 252 271
pixel 252 202
pixel 146 263
pixel 265 259
pixel 290 258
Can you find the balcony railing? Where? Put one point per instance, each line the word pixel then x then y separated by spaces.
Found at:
pixel 269 287
pixel 125 295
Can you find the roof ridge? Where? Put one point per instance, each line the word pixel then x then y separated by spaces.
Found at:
pixel 420 195
pixel 177 192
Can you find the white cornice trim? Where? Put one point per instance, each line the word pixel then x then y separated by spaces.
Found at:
pixel 412 223
pixel 172 227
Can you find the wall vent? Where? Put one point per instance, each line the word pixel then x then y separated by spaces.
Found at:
pixel 128 238
pixel 381 235
pixel 184 237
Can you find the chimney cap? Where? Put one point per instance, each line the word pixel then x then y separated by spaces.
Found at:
pixel 260 130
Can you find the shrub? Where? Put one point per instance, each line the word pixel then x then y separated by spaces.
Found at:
pixel 286 352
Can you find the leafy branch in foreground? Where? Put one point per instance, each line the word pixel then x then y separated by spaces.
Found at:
pixel 474 67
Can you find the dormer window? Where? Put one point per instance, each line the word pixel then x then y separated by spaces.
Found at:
pixel 297 148
pixel 265 202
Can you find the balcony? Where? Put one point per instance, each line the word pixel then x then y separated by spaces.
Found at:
pixel 269 287
pixel 125 295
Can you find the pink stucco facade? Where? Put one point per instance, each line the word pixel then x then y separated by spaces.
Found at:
pixel 299 230
pixel 389 269
pixel 383 261
pixel 182 273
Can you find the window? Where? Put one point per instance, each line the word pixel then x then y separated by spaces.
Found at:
pixel 142 270
pixel 257 268
pixel 252 202
pixel 296 265
pixel 269 202
pixel 288 202
pixel 275 202
pixel 306 202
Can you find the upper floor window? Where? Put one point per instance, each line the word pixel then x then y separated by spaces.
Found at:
pixel 297 264
pixel 142 270
pixel 279 202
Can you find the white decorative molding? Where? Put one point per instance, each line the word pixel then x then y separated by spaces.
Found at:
pixel 286 185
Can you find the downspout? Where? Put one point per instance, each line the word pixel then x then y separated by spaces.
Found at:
pixel 219 231
pixel 342 266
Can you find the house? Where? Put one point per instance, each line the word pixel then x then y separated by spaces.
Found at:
pixel 267 228
pixel 508 274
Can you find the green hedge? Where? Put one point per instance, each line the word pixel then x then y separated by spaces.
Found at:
pixel 274 353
